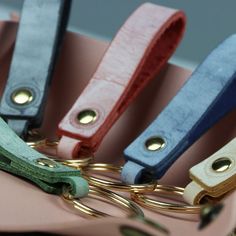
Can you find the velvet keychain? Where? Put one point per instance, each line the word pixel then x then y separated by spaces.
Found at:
pixel 40 34
pixel 137 54
pixel 19 159
pixel 205 98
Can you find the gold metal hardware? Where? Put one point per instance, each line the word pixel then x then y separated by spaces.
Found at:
pixel 22 96
pixel 155 144
pixel 87 116
pixel 46 162
pixel 155 205
pixel 115 185
pixel 116 199
pixel 222 164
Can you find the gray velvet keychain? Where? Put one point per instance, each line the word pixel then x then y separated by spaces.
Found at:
pixel 39 37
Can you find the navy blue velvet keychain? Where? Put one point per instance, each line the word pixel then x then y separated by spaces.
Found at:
pixel 203 100
pixel 41 29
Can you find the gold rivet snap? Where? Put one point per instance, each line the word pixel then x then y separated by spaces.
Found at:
pixel 155 144
pixel 46 162
pixel 86 117
pixel 222 164
pixel 22 96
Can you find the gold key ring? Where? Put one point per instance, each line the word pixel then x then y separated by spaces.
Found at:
pixel 114 185
pixel 36 140
pixel 116 199
pixel 152 204
pixel 138 192
pixel 40 143
pixel 76 164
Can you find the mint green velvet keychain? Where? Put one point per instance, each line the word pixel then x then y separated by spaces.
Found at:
pixel 19 159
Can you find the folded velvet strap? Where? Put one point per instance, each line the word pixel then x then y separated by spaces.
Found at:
pixel 17 158
pixel 41 28
pixel 138 52
pixel 204 99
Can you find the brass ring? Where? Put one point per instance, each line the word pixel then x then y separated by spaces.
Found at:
pixel 152 204
pixel 36 144
pixel 77 164
pixel 114 185
pixel 42 143
pixel 115 198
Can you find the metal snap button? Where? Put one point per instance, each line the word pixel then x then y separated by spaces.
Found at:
pixel 155 144
pixel 22 96
pixel 87 116
pixel 222 164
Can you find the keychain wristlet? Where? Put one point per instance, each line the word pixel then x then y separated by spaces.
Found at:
pixel 40 33
pixel 17 158
pixel 138 52
pixel 204 99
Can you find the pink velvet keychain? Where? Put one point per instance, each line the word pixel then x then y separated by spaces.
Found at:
pixel 136 55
